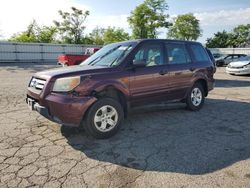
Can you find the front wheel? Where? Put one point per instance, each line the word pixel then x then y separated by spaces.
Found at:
pixel 104 118
pixel 195 98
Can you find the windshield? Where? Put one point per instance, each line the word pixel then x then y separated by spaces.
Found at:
pixel 245 58
pixel 109 56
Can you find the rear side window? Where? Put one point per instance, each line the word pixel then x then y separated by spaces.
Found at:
pixel 177 54
pixel 236 56
pixel 228 57
pixel 199 53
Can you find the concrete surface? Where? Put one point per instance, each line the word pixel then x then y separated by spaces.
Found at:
pixel 158 146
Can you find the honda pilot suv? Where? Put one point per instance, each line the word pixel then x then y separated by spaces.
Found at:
pixel 98 93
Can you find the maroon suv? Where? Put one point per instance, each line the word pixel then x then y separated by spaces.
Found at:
pixel 98 93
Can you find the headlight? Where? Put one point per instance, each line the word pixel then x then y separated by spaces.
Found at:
pixel 66 84
pixel 246 66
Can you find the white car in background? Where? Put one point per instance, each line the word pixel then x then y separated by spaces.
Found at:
pixel 241 67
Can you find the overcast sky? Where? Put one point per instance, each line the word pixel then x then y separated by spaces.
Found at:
pixel 214 15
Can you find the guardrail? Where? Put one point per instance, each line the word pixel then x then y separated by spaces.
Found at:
pixel 37 52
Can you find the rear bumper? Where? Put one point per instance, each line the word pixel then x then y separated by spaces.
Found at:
pixel 63 109
pixel 210 84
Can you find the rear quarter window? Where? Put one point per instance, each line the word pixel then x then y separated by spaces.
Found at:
pixel 177 54
pixel 199 53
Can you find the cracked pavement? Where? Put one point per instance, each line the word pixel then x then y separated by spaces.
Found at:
pixel 158 146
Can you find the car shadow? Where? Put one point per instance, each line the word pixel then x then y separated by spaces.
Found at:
pixel 233 83
pixel 169 138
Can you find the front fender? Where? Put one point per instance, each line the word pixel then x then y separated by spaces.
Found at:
pixel 121 85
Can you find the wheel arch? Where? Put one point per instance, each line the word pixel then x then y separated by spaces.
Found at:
pixel 204 84
pixel 115 93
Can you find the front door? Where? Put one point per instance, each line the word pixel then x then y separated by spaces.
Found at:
pixel 146 83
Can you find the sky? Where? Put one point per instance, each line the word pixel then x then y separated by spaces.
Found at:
pixel 214 15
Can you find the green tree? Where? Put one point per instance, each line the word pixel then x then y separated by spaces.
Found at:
pixel 147 17
pixel 22 37
pixel 97 35
pixel 46 34
pixel 72 25
pixel 112 35
pixel 185 27
pixel 241 34
pixel 221 40
pixel 87 40
pixel 35 33
pixel 26 36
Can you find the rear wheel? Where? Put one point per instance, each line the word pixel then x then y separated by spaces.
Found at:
pixel 104 118
pixel 196 97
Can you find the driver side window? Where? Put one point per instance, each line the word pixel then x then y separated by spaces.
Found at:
pixel 152 54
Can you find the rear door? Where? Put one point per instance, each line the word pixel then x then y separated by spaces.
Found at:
pixel 180 70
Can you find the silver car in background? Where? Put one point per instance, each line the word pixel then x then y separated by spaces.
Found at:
pixel 226 59
pixel 241 67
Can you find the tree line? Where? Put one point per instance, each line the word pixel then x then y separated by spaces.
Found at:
pixel 145 21
pixel 238 37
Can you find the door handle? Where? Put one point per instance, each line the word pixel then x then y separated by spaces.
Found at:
pixel 163 72
pixel 192 69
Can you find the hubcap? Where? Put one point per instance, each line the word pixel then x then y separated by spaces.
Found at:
pixel 105 118
pixel 196 96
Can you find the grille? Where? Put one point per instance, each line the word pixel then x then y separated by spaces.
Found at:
pixel 37 83
pixel 236 67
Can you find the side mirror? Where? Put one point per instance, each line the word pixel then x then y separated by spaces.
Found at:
pixel 139 63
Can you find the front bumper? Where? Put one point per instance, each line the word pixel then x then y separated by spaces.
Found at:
pixel 63 109
pixel 40 109
pixel 238 71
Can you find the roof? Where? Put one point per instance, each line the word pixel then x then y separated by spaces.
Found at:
pixel 162 40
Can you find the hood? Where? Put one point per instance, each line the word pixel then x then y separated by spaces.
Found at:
pixel 239 63
pixel 70 71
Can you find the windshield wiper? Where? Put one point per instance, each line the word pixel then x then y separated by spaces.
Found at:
pixel 101 57
pixel 119 58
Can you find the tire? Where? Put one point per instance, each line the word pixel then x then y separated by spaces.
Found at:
pixel 104 118
pixel 219 64
pixel 196 97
